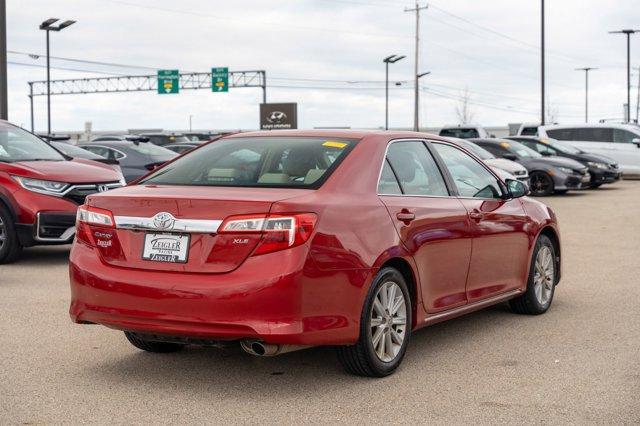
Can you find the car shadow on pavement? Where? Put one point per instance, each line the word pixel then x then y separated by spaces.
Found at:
pixel 234 374
pixel 43 255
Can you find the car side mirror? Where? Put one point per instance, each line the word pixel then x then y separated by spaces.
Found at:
pixel 515 188
pixel 546 154
pixel 636 141
pixel 510 156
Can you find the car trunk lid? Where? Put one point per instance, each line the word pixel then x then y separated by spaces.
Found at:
pixel 147 215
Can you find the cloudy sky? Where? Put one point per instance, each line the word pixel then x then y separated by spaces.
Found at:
pixel 326 55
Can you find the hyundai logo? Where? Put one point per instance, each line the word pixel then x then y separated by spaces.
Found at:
pixel 164 221
pixel 276 117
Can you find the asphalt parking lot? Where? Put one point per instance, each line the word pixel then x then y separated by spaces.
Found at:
pixel 579 363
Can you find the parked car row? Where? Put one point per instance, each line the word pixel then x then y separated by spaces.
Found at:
pixel 553 166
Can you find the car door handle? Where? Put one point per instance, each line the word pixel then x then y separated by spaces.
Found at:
pixel 405 216
pixel 476 215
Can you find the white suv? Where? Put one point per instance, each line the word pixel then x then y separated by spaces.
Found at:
pixel 618 141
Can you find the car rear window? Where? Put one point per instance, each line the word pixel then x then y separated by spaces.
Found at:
pixel 461 133
pixel 286 162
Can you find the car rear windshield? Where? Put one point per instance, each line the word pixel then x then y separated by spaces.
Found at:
pixel 286 162
pixel 461 133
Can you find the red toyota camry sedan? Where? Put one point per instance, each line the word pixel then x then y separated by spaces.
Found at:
pixel 284 240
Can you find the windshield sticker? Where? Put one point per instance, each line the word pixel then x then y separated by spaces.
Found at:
pixel 334 144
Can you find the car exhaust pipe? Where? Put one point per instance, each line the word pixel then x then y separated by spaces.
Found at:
pixel 259 348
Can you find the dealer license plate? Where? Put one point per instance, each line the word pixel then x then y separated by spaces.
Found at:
pixel 172 248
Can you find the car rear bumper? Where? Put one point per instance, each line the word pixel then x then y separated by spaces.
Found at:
pixel 292 303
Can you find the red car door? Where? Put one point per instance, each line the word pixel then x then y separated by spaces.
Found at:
pixel 500 241
pixel 433 225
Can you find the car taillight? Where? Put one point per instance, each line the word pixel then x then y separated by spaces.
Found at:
pixel 94 216
pixel 278 232
pixel 95 227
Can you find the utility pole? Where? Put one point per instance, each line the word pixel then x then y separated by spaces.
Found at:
pixel 542 67
pixel 388 60
pixel 416 108
pixel 586 91
pixel 628 34
pixel 4 113
pixel 48 26
pixel 638 99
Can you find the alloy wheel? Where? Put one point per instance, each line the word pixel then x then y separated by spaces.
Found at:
pixel 540 184
pixel 544 275
pixel 388 321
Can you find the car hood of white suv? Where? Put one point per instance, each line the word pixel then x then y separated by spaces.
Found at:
pixel 507 165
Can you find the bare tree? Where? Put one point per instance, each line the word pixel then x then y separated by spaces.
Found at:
pixel 463 109
pixel 552 113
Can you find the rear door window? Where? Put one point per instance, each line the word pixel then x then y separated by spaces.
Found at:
pixel 388 184
pixel 416 170
pixel 289 162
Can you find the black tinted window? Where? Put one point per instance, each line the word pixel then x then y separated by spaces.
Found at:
pixel 460 133
pixel 529 131
pixel 290 162
pixel 416 169
pixel 588 134
pixel 624 136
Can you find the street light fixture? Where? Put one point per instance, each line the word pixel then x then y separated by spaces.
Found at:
pixel 388 60
pixel 48 27
pixel 586 92
pixel 628 34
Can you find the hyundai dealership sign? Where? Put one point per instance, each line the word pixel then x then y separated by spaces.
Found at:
pixel 278 116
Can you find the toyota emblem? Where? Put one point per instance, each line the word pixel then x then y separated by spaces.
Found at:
pixel 164 221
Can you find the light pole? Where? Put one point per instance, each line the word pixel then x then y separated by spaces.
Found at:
pixel 418 77
pixel 4 114
pixel 542 67
pixel 628 34
pixel 586 91
pixel 388 60
pixel 416 94
pixel 48 27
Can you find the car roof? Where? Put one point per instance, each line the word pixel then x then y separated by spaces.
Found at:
pixel 591 125
pixel 341 133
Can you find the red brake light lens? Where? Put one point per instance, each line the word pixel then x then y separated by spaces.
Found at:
pixel 279 232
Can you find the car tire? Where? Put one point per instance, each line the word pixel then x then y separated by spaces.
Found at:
pixel 149 346
pixel 391 323
pixel 10 247
pixel 540 184
pixel 542 280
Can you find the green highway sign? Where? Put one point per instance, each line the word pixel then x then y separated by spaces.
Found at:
pixel 220 79
pixel 168 81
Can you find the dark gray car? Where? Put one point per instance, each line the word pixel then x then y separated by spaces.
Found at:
pixel 136 158
pixel 547 175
